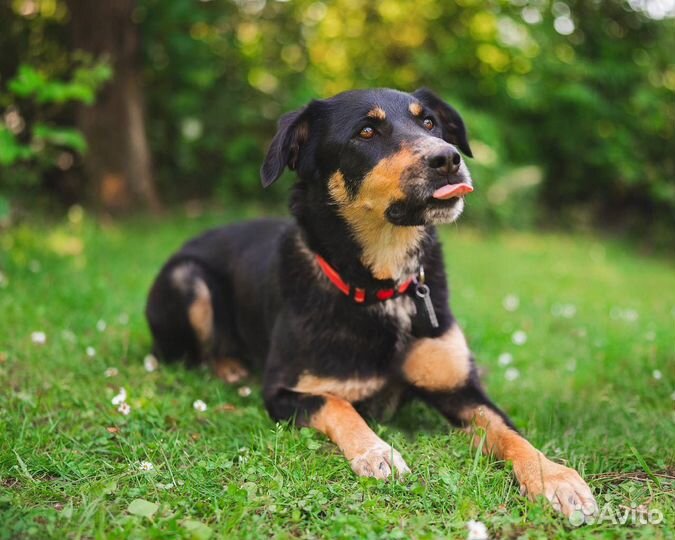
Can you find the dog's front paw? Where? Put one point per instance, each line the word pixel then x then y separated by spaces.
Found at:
pixel 379 462
pixel 562 486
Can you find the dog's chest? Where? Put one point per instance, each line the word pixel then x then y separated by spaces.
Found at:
pixel 398 312
pixel 366 363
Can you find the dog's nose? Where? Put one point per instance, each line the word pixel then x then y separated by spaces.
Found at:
pixel 446 161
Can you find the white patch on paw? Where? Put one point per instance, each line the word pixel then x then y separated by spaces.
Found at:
pixel 379 461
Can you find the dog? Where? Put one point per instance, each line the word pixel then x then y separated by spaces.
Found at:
pixel 344 309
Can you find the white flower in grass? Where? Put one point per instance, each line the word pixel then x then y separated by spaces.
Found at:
pixel 477 530
pixel 511 374
pixel 631 315
pixel 111 372
pixel 101 325
pixel 628 315
pixel 199 405
pixel 519 337
pixel 145 466
pixel 150 363
pixel 567 311
pixel 505 359
pixel 511 302
pixel 91 352
pixel 657 374
pixel 124 408
pixel 39 338
pixel 244 391
pixel 121 397
pixel 69 336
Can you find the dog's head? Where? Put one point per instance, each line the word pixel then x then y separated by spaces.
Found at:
pixel 381 155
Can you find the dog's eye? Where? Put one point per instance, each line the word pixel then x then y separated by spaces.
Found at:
pixel 428 123
pixel 367 133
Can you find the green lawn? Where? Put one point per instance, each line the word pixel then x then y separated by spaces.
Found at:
pixel 594 384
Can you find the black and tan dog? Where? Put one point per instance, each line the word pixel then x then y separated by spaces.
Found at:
pixel 345 309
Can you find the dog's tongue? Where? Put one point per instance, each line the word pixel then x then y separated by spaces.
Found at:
pixel 452 190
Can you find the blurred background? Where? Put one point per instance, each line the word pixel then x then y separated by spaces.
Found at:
pixel 127 106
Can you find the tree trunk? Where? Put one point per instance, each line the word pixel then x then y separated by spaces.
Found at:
pixel 118 162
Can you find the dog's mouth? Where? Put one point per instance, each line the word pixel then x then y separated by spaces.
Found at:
pixel 447 195
pixel 443 190
pixel 435 201
pixel 451 191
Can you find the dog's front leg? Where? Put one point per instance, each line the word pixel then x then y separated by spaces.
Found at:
pixel 442 371
pixel 341 423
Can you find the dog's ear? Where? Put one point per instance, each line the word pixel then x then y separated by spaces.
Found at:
pixel 284 150
pixel 451 122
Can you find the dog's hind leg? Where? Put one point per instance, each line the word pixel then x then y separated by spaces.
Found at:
pixel 228 369
pixel 167 315
pixel 188 315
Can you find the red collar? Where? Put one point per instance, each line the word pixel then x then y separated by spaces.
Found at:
pixel 359 295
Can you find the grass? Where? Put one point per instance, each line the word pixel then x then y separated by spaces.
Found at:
pixel 594 386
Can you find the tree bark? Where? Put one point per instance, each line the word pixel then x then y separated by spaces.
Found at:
pixel 118 162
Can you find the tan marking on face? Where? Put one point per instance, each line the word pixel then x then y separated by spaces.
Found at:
pixel 441 363
pixel 200 312
pixel 377 113
pixel 386 247
pixel 415 108
pixel 351 390
pixel 229 370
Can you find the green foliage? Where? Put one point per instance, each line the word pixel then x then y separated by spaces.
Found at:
pixel 64 137
pixel 38 141
pixel 31 83
pixel 34 90
pixel 11 150
pixel 580 95
pixel 143 508
pixel 582 92
pixel 40 83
